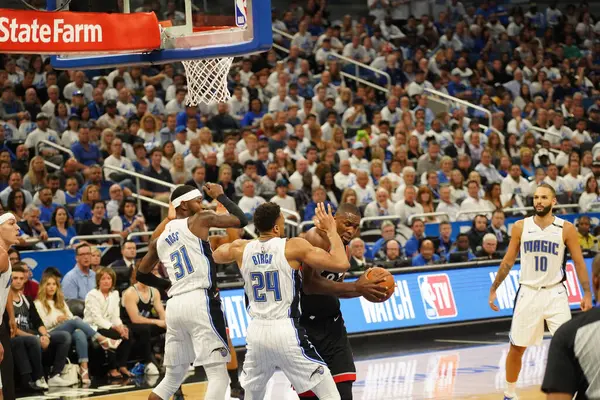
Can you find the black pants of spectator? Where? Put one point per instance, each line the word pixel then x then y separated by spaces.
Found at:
pixel 60 345
pixel 28 358
pixel 143 334
pixel 119 357
pixel 7 366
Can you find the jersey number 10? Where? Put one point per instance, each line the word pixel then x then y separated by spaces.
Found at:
pixel 541 263
pixel 269 281
pixel 181 263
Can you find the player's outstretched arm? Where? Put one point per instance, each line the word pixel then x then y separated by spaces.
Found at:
pixel 507 262
pixel 315 283
pixel 572 242
pixel 230 252
pixel 161 227
pixel 236 217
pixel 144 269
pixel 302 251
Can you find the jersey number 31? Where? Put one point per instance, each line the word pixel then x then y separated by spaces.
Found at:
pixel 181 263
pixel 269 281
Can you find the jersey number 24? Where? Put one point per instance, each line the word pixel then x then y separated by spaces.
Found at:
pixel 263 283
pixel 181 263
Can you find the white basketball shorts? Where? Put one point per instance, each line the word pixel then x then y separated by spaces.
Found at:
pixel 532 308
pixel 196 332
pixel 280 344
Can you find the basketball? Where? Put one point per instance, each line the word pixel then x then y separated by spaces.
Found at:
pixel 389 283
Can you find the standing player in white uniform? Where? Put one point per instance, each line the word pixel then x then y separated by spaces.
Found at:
pixel 9 235
pixel 270 266
pixel 195 321
pixel 541 240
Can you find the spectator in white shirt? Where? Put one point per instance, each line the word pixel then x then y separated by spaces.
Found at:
pixel 355 116
pixel 573 179
pixel 355 50
pixel 155 104
pixel 79 84
pixel 518 125
pixel 177 104
pixel 391 113
pixel 474 204
pixel 280 102
pixel 345 178
pixel 447 205
pixel 117 160
pixel 53 99
pixel 296 177
pixel 194 158
pixel 486 169
pixel 514 186
pixel 358 160
pixel 364 191
pixel 281 198
pixel 381 206
pixel 238 105
pixel 249 201
pixel 556 181
pixel 408 207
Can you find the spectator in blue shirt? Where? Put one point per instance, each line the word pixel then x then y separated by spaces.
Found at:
pixel 96 107
pixel 46 207
pixel 95 178
pixel 190 112
pixel 254 116
pixel 83 211
pixel 411 247
pixel 79 281
pixel 318 196
pixel 72 192
pixel 462 245
pixel 60 226
pixel 388 232
pixel 85 152
pixel 426 256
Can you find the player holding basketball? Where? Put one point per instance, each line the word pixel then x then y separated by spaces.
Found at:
pixel 541 240
pixel 195 321
pixel 321 313
pixel 270 266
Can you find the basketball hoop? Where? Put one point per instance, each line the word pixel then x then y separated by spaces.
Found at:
pixel 207 80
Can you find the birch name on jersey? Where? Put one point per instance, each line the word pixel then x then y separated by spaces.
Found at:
pixel 262 259
pixel 541 246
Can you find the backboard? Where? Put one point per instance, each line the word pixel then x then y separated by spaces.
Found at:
pixel 190 29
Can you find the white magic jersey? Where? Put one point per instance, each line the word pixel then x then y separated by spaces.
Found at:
pixel 4 289
pixel 542 253
pixel 187 259
pixel 272 286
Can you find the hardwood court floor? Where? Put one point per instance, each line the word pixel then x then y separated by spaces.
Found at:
pixel 475 372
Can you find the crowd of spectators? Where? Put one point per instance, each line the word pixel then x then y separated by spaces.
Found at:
pixel 297 131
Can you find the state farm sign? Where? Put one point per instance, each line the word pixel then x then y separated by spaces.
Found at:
pixel 76 33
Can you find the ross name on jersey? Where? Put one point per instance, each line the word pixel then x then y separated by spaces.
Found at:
pixel 172 238
pixel 541 246
pixel 262 259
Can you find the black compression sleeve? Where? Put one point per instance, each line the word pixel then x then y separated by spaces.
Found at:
pixel 152 280
pixel 233 209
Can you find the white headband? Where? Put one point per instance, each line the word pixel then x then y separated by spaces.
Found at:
pixel 6 217
pixel 186 197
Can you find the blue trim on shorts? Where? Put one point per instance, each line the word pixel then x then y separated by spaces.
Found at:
pixel 211 321
pixel 302 347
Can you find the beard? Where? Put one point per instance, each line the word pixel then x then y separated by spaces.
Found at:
pixel 543 212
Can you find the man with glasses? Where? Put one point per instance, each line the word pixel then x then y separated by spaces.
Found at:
pixel 80 280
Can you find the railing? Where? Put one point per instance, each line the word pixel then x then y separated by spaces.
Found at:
pixel 86 237
pixel 427 215
pixel 133 235
pixel 56 146
pixel 357 65
pixel 545 131
pixel 137 177
pixel 52 165
pixel 461 102
pixel 60 242
pixel 366 220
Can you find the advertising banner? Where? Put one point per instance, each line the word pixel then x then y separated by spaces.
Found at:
pixel 72 33
pixel 421 298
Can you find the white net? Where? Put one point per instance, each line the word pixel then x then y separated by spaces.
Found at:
pixel 207 80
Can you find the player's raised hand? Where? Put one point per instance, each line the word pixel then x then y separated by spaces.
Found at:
pixel 214 190
pixel 172 214
pixel 324 219
pixel 586 302
pixel 492 301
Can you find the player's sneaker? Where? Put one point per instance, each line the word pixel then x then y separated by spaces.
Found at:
pixel 515 397
pixel 58 381
pixel 151 369
pixel 42 383
pixel 179 395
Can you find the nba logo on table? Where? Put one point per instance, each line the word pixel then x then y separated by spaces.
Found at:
pixel 437 295
pixel 572 284
pixel 241 13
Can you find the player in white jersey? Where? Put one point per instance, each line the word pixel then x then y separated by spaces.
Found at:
pixel 9 235
pixel 270 266
pixel 195 322
pixel 541 241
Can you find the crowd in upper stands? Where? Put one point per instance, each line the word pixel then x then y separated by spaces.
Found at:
pixel 298 130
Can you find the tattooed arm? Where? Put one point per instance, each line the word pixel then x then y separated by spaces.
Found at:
pixel 507 262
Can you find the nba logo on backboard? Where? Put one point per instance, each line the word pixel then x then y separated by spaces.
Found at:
pixel 572 284
pixel 438 299
pixel 241 13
